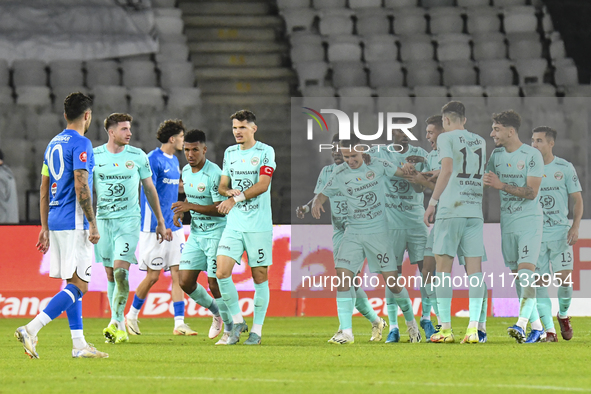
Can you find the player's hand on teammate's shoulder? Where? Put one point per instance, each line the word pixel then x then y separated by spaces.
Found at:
pixel 43 241
pixel 93 235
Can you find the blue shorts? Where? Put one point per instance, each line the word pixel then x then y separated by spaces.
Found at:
pixel 200 254
pixel 521 247
pixel 258 247
pixel 119 239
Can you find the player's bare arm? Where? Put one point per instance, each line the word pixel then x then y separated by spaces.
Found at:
pixel 255 190
pixel 224 187
pixel 162 233
pixel 43 241
pixel 317 203
pixel 442 181
pixel 573 232
pixel 302 210
pixel 84 196
pixel 529 191
pixel 181 207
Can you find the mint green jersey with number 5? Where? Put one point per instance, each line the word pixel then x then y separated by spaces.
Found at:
pixel 116 180
pixel 462 197
pixel 244 168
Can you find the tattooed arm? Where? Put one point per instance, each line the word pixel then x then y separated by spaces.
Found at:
pixel 84 197
pixel 529 191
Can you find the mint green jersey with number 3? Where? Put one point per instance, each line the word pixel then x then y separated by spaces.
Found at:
pixel 338 202
pixel 244 168
pixel 462 197
pixel 116 180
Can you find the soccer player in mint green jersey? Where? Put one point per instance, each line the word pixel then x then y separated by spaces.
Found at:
pixel 404 214
pixel 339 213
pixel 246 179
pixel 366 235
pixel 201 180
pixel 459 225
pixel 69 224
pixel 516 170
pixel 118 172
pixel 559 181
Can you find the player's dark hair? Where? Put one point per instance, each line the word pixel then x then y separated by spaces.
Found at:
pixel 508 118
pixel 169 128
pixel 75 105
pixel 243 115
pixel 436 120
pixel 550 132
pixel 335 137
pixel 115 118
pixel 195 136
pixel 454 107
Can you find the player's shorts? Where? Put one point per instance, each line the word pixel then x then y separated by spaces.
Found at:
pixel 522 246
pixel 157 256
pixel 411 239
pixel 119 239
pixel 459 236
pixel 337 240
pixel 558 254
pixel 377 248
pixel 70 251
pixel 462 259
pixel 258 247
pixel 200 254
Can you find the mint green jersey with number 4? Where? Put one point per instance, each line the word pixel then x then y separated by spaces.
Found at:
pixel 364 188
pixel 462 197
pixel 116 180
pixel 559 180
pixel 338 203
pixel 514 168
pixel 244 167
pixel 201 188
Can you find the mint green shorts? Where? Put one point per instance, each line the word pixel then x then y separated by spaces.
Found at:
pixel 377 248
pixel 200 254
pixel 411 239
pixel 119 239
pixel 558 254
pixel 521 247
pixel 458 236
pixel 258 247
pixel 337 240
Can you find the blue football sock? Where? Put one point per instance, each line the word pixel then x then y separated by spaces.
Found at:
pixel 138 302
pixel 62 301
pixel 179 308
pixel 74 313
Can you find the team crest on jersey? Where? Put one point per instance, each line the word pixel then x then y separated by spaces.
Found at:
pixel 350 191
pixel 255 161
pixel 370 175
pixel 53 189
pixel 101 176
pixel 532 163
pixel 558 175
pixel 201 187
pixel 575 179
pixel 520 165
pixel 82 157
pixel 129 164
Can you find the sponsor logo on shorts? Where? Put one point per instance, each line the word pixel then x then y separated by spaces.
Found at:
pixel 82 157
pixel 53 189
pixel 157 262
pixel 558 175
pixel 201 187
pixel 370 175
pixel 255 161
pixel 129 164
pixel 520 165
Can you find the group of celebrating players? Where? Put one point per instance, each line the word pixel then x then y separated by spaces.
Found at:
pixel 230 214
pixel 376 200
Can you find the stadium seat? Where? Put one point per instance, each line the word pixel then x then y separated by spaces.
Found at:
pixel 355 91
pixel 321 4
pixel 61 92
pixel 170 51
pixel 20 151
pixel 29 73
pixel 538 90
pixel 382 73
pixel 298 19
pixel 169 24
pixel 102 72
pixel 147 97
pixel 520 19
pixel 66 73
pixel 311 73
pixel 578 91
pixel 508 3
pixel 34 96
pixel 110 98
pixel 346 74
pixel 417 47
pixel 138 74
pixel 495 72
pixel 344 48
pixel 184 101
pixel 502 91
pixel 318 91
pixel 336 21
pixel 388 91
pixel 430 91
pixel 306 47
pixel 48 125
pixel 466 91
pixel 547 25
pixel 380 48
pixel 172 38
pixel 176 74
pixel 321 102
pixel 410 21
pixel 565 72
pixel 373 21
pixel 557 49
pixel 445 20
pixel 483 19
pixel 489 46
pixel 284 4
pixel 365 3
pixel 437 3
pixel 168 11
pixel 422 73
pixel 524 45
pixel 6 96
pixel 531 71
pixel 400 3
pixel 394 100
pixel 473 3
pixel 358 99
pixel 163 3
pixel 453 46
pixel 4 73
pixel 459 72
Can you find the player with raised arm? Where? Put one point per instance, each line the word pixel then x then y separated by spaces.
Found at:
pixel 558 183
pixel 516 170
pixel 404 214
pixel 339 213
pixel 201 180
pixel 366 234
pixel 246 179
pixel 68 225
pixel 119 169
pixel 459 224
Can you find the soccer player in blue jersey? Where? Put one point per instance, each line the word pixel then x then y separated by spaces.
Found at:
pixel 339 213
pixel 201 180
pixel 119 169
pixel 459 225
pixel 246 179
pixel 516 170
pixel 560 181
pixel 68 224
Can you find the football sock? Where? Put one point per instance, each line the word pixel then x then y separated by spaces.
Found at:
pixel 261 302
pixel 528 295
pixel 345 309
pixel 425 304
pixel 179 313
pixel 74 313
pixel 444 294
pixel 484 310
pixel 363 306
pixel 518 287
pixel 405 304
pixel 476 294
pixel 58 304
pixel 544 305
pixel 120 295
pixel 392 308
pixel 136 306
pixel 200 296
pixel 110 288
pixel 225 314
pixel 230 297
pixel 430 292
pixel 564 298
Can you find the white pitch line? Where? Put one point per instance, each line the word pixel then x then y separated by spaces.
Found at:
pixel 259 380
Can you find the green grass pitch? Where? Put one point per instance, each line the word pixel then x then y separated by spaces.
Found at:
pixel 293 358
